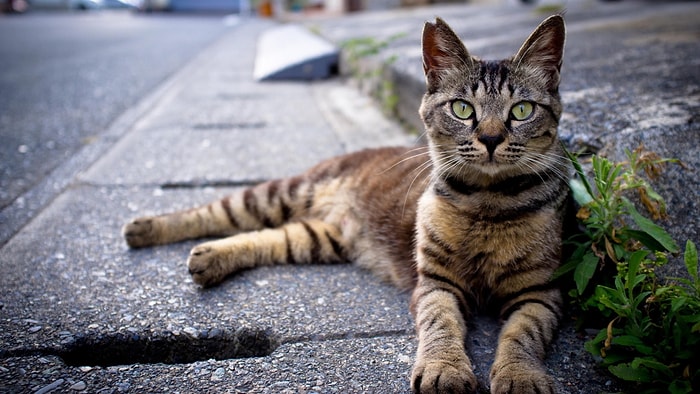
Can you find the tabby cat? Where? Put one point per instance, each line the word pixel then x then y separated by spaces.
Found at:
pixel 471 222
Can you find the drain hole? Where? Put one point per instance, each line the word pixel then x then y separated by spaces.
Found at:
pixel 167 348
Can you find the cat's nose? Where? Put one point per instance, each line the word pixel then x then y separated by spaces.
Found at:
pixel 491 141
pixel 491 132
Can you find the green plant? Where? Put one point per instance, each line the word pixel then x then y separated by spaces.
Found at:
pixel 654 337
pixel 383 88
pixel 653 329
pixel 360 48
pixel 605 210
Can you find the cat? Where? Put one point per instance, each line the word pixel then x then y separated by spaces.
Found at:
pixel 470 222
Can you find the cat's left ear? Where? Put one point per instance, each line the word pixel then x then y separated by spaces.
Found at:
pixel 543 51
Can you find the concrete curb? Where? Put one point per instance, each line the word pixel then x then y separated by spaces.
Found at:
pixel 291 52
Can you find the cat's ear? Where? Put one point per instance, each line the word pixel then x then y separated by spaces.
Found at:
pixel 443 52
pixel 543 51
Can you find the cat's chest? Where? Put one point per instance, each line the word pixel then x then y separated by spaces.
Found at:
pixel 479 243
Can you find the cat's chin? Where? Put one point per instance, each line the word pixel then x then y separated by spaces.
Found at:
pixel 495 170
pixel 492 172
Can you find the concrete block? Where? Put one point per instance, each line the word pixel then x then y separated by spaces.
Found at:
pixel 292 52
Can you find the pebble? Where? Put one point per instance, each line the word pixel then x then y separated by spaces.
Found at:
pixel 79 386
pixel 218 374
pixel 215 333
pixel 50 387
pixel 34 329
pixel 191 331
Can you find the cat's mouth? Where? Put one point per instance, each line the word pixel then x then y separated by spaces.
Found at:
pixel 493 164
pixel 489 159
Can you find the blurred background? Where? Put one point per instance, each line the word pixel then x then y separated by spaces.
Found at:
pixel 264 7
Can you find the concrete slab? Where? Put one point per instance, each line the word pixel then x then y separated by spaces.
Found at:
pixel 218 155
pixel 359 365
pixel 293 52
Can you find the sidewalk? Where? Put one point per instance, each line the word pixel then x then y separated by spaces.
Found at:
pixel 79 311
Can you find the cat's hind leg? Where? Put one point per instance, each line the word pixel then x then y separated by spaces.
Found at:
pixel 178 226
pixel 303 242
pixel 266 205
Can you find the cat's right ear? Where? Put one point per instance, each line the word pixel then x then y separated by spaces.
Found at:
pixel 443 52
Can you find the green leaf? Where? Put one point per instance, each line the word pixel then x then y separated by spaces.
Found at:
pixel 680 386
pixel 696 328
pixel 647 240
pixel 619 251
pixel 652 364
pixel 634 342
pixel 691 260
pixel 580 192
pixel 627 372
pixel 585 270
pixel 594 345
pixel 633 266
pixel 564 269
pixel 573 262
pixel 677 303
pixel 580 172
pixel 651 228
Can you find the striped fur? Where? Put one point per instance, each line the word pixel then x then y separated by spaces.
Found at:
pixel 471 222
pixel 329 214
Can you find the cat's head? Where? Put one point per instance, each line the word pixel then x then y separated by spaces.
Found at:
pixel 492 119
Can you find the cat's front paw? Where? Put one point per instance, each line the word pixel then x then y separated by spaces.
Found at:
pixel 140 233
pixel 206 265
pixel 440 376
pixel 517 378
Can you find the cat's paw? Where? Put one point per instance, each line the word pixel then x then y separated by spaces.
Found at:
pixel 439 376
pixel 206 266
pixel 517 378
pixel 140 233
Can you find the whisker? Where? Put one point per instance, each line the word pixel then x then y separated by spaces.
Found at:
pixel 405 159
pixel 421 169
pixel 535 162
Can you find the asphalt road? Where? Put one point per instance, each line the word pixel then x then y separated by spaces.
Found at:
pixel 65 76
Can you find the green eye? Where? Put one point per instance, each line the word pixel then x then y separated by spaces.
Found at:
pixel 462 109
pixel 522 110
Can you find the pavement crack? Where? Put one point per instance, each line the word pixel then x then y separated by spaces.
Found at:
pixel 200 184
pixel 345 336
pixel 127 348
pixel 229 126
pixel 175 185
